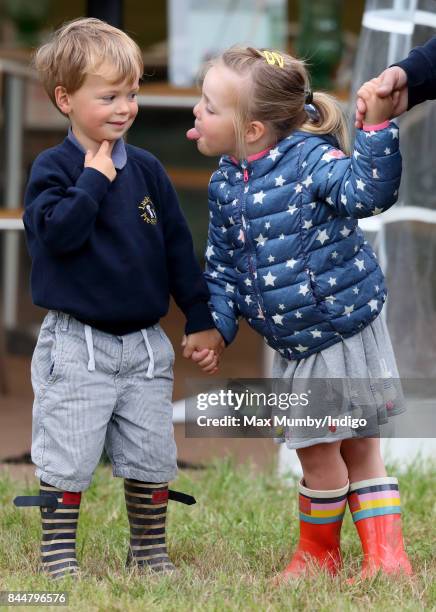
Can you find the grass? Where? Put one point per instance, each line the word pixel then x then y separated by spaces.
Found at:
pixel 227 546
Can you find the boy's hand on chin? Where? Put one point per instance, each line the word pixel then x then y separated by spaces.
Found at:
pixel 102 161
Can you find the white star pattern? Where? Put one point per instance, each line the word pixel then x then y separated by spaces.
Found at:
pixel 258 197
pixel 235 201
pixel 221 268
pixel 301 348
pixel 322 236
pixel 223 229
pixel 298 188
pixel 280 181
pixel 308 180
pixel 247 281
pixel 330 298
pixel 248 299
pixel 303 289
pixel 214 274
pixel 374 173
pixel 231 221
pixel 334 254
pixel 281 306
pixel 345 231
pixel 271 259
pixel 316 333
pixel 209 251
pixel 343 198
pixel 278 319
pixel 387 151
pixel 348 310
pixel 356 290
pixel 377 211
pixel 298 314
pixel 307 225
pixel 291 209
pixel 360 184
pixel 281 237
pixel 360 264
pixel 215 316
pixel 261 240
pixel 291 263
pixel 241 236
pixel 230 303
pixel 267 225
pixel 269 279
pixel 332 281
pixel 274 153
pixel 230 288
pixel 372 304
pixel 394 133
pixel 356 153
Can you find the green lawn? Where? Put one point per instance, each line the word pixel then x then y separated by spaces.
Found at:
pixel 227 546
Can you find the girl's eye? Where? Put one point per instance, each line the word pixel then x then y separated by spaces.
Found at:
pixel 132 96
pixel 209 110
pixel 108 98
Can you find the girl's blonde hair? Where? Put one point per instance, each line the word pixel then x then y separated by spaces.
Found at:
pixel 276 95
pixel 83 46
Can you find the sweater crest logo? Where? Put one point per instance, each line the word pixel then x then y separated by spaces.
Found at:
pixel 148 213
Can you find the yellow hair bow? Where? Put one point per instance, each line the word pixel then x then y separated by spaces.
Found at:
pixel 273 58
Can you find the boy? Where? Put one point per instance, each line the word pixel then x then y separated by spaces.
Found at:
pixel 109 244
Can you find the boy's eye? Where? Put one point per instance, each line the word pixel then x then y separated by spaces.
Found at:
pixel 108 98
pixel 132 96
pixel 209 110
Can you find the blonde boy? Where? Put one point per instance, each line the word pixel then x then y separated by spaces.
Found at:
pixel 109 244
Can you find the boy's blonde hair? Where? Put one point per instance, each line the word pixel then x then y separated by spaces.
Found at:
pixel 81 47
pixel 276 95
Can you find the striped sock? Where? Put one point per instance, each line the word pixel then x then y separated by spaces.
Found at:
pixel 59 527
pixel 147 508
pixel 322 507
pixel 374 497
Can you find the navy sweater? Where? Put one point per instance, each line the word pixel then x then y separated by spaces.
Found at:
pixel 420 67
pixel 110 254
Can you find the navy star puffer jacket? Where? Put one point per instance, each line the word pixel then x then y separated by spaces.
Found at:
pixel 285 250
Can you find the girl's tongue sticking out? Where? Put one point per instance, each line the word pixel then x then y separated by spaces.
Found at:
pixel 193 134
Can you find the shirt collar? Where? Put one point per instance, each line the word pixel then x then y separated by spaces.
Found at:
pixel 119 153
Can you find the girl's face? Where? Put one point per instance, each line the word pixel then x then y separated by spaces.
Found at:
pixel 215 113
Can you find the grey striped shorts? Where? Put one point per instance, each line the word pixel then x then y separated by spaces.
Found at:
pixel 95 390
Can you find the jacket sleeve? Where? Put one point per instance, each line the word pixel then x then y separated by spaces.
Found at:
pixel 359 186
pixel 62 215
pixel 187 284
pixel 221 276
pixel 420 67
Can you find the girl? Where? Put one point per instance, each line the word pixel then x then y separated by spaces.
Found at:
pixel 285 251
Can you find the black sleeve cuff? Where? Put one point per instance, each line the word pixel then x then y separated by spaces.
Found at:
pixel 198 318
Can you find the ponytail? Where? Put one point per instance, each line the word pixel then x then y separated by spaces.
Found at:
pixel 330 119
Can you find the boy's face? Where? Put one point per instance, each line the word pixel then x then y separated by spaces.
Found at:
pixel 100 110
pixel 215 112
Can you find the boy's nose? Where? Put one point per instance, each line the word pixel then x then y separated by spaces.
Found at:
pixel 123 107
pixel 196 110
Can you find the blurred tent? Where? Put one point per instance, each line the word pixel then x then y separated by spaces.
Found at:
pixel 405 237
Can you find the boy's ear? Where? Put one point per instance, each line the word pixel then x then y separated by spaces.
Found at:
pixel 62 99
pixel 255 131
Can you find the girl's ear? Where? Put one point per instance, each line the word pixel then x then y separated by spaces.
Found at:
pixel 255 131
pixel 62 99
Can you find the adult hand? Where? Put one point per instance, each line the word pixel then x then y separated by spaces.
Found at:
pixel 102 161
pixel 392 81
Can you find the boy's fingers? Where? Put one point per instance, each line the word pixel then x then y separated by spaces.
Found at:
pixel 361 106
pixel 187 351
pixel 199 355
pixel 210 359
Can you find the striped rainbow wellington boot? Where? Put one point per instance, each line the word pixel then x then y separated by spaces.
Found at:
pixel 321 515
pixel 59 527
pixel 146 504
pixel 376 509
